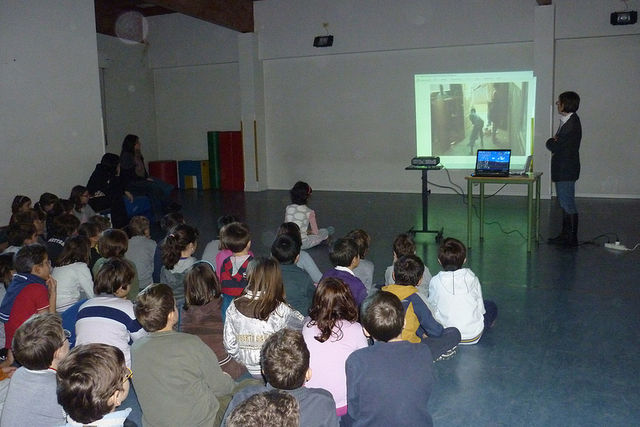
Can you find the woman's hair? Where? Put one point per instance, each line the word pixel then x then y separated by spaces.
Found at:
pixel 332 302
pixel 176 241
pixel 153 306
pixel 87 378
pixel 265 278
pixel 113 275
pixel 292 229
pixel 76 249
pixel 18 202
pixel 138 225
pixel 76 197
pixel 300 193
pixel 201 285
pixel 6 268
pixel 129 144
pixel 113 243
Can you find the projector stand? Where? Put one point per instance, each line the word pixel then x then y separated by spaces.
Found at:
pixel 425 202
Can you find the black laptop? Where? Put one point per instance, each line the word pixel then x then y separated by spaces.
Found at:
pixel 492 162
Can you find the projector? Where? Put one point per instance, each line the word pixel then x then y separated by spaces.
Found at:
pixel 624 18
pixel 425 161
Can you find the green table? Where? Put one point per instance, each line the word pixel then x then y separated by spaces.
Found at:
pixel 533 203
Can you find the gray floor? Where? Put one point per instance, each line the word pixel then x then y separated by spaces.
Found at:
pixel 565 347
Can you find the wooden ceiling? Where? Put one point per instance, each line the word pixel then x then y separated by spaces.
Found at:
pixel 234 14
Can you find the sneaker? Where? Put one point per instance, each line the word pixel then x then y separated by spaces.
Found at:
pixel 447 355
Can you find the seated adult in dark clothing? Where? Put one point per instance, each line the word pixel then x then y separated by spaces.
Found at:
pixel 107 190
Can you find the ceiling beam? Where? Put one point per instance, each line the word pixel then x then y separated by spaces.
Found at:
pixel 234 14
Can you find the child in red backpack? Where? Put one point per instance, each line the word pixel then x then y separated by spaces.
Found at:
pixel 236 239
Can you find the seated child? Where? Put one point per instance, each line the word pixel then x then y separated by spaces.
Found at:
pixel 344 256
pixel 177 257
pixel 260 311
pixel 141 249
pixel 284 358
pixel 39 346
pixel 20 204
pixel 91 231
pixel 270 408
pixel 332 333
pixel 305 261
pixel 37 218
pixel 6 274
pixel 202 315
pixel 64 226
pixel 301 214
pixel 114 243
pixel 232 262
pixel 214 247
pixel 456 296
pixel 177 377
pixel 167 223
pixel 364 270
pixel 45 202
pixel 108 317
pixel 72 273
pixel 390 382
pixel 404 245
pixel 419 324
pixel 80 199
pixel 20 234
pixel 298 285
pixel 32 289
pixel 93 380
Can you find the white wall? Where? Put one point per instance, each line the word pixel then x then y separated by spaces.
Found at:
pixel 195 72
pixel 50 115
pixel 129 94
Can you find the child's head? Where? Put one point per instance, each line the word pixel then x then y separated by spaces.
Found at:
pixel 6 268
pixel 383 316
pixel 343 253
pixel 332 302
pixel 139 226
pixel 181 241
pixel 22 233
pixel 225 220
pixel 362 239
pixel 285 249
pixel 403 245
pixel 235 237
pixel 201 285
pixel 265 277
pixel 155 307
pixel 20 204
pixel 39 341
pixel 32 216
pixel 114 278
pixel 408 270
pixel 113 243
pixel 170 220
pixel 65 225
pixel 452 254
pixel 284 359
pixel 47 201
pixel 67 206
pixel 292 229
pixel 101 221
pixel 270 408
pixel 33 259
pixel 92 381
pixel 300 193
pixel 91 231
pixel 76 249
pixel 79 197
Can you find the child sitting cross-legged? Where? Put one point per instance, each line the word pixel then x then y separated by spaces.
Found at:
pixel 73 274
pixel 93 380
pixel 456 296
pixel 419 325
pixel 345 257
pixel 390 382
pixel 39 345
pixel 284 358
pixel 177 377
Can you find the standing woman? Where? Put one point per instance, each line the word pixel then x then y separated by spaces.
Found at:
pixel 565 165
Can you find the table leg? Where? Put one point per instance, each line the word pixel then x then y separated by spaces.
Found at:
pixel 529 216
pixel 482 211
pixel 469 211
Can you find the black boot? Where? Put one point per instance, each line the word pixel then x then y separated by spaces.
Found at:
pixel 572 239
pixel 563 237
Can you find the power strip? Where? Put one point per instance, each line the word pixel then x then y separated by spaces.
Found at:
pixel 616 246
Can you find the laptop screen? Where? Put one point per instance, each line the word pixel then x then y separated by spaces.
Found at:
pixel 493 161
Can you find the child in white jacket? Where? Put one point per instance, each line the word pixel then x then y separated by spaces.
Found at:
pixel 455 295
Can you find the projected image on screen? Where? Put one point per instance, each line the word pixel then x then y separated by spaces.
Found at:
pixel 457 114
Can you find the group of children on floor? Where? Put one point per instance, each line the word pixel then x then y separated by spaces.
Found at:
pixel 208 340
